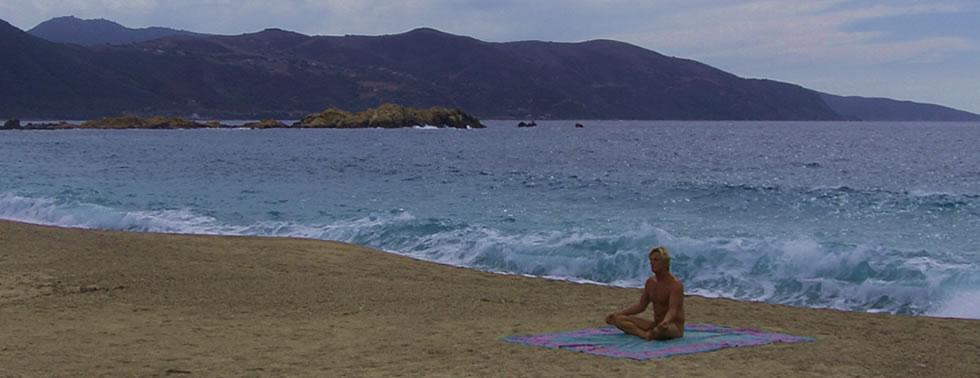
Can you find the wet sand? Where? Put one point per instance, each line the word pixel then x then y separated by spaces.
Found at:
pixel 97 303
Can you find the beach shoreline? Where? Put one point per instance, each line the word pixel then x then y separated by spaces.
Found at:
pixel 98 303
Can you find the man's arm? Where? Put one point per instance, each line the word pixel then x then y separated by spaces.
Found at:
pixel 637 307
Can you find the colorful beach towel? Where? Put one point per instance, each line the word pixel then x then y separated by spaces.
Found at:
pixel 611 342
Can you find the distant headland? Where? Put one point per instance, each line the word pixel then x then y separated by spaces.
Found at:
pixel 385 116
pixel 279 74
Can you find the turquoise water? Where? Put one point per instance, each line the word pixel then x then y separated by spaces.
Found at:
pixel 880 217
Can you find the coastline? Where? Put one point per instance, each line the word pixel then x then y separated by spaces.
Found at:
pixel 95 303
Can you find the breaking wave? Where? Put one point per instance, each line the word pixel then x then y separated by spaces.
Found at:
pixel 800 271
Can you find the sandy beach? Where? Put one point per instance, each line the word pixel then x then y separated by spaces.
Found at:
pixel 96 303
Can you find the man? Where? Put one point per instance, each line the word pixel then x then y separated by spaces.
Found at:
pixel 667 295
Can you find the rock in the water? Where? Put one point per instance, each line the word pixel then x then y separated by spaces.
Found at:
pixel 385 116
pixel 390 116
pixel 136 122
pixel 11 124
pixel 265 124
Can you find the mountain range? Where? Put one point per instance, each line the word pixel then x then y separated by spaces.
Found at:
pixel 68 68
pixel 70 29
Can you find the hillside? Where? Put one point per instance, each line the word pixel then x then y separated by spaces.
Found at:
pixel 281 74
pixel 884 109
pixel 74 30
pixel 47 79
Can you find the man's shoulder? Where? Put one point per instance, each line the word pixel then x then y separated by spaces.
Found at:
pixel 652 281
pixel 669 281
pixel 676 283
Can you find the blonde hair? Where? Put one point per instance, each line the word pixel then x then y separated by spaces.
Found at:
pixel 662 252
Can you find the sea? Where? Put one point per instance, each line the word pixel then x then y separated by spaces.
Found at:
pixel 858 216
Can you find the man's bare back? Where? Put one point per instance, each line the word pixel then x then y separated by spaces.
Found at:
pixel 666 293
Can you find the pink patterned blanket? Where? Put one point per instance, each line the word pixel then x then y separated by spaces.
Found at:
pixel 611 342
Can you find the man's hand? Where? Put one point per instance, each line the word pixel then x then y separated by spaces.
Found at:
pixel 611 318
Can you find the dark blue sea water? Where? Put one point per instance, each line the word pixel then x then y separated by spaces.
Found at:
pixel 880 217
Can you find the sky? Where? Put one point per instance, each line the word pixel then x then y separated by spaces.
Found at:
pixel 923 51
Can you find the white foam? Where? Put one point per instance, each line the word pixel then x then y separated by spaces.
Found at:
pixel 963 304
pixel 50 212
pixel 929 193
pixel 804 253
pixel 726 266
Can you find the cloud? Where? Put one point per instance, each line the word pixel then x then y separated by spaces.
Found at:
pixel 91 6
pixel 798 32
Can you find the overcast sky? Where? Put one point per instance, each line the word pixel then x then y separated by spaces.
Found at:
pixel 925 51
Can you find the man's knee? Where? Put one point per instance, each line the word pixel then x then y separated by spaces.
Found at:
pixel 665 333
pixel 622 319
pixel 623 323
